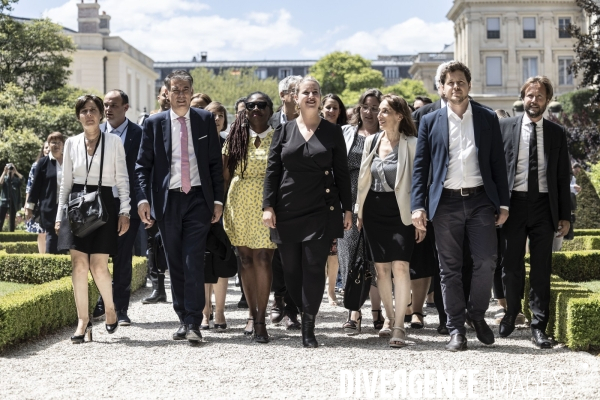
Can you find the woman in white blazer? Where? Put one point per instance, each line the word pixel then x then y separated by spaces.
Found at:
pixel 383 208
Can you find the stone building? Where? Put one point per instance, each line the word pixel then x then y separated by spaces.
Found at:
pixel 103 62
pixel 504 42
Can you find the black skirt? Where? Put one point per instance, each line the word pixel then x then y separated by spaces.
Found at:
pixel 424 262
pixel 389 239
pixel 101 241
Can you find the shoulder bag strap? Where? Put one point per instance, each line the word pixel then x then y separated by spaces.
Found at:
pixel 101 161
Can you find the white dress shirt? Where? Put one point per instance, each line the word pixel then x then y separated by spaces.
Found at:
pixel 175 181
pixel 74 169
pixel 120 131
pixel 522 173
pixel 59 174
pixel 463 165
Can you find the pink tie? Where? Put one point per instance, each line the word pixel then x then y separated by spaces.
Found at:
pixel 186 183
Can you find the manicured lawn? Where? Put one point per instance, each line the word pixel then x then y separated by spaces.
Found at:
pixel 9 287
pixel 594 286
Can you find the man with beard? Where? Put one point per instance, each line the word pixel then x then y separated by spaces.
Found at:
pixel 538 177
pixel 461 145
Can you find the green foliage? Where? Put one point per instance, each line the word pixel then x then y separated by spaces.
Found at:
pixel 5 5
pixel 6 237
pixel 231 84
pixel 409 89
pixel 594 175
pixel 578 102
pixel 588 204
pixel 587 232
pixel 10 287
pixel 334 70
pixel 582 243
pixel 34 55
pixel 19 247
pixel 19 148
pixel 594 286
pixel 33 268
pixel 577 266
pixel 50 306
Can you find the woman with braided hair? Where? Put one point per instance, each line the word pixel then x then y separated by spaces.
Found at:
pixel 245 155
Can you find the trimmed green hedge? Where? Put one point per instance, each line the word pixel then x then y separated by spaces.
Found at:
pixel 47 307
pixel 576 266
pixel 586 232
pixel 18 237
pixel 20 247
pixel 33 268
pixel 574 313
pixel 582 243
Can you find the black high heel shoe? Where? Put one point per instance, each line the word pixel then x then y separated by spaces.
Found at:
pixel 250 332
pixel 260 338
pixel 351 327
pixel 308 331
pixel 78 339
pixel 112 328
pixel 378 323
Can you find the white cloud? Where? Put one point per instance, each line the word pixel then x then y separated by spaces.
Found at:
pixel 178 30
pixel 409 37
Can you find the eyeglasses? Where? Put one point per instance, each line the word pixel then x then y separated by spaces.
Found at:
pixel 374 110
pixel 55 143
pixel 260 104
pixel 183 92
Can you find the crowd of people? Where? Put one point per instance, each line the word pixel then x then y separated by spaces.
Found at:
pixel 439 197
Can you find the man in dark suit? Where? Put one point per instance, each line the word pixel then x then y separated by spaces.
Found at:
pixel 462 146
pixel 538 168
pixel 179 164
pixel 116 104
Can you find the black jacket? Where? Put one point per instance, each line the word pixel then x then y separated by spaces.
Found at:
pixel 44 192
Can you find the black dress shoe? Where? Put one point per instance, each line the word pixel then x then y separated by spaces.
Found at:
pixel 99 309
pixel 469 321
pixel 308 331
pixel 193 333
pixel 458 342
pixel 260 338
pixel 539 338
pixel 277 309
pixel 156 297
pixel 507 325
pixel 181 332
pixel 122 318
pixel 484 333
pixel 292 322
pixel 442 330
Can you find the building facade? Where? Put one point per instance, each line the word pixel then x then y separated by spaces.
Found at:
pixel 103 62
pixel 504 42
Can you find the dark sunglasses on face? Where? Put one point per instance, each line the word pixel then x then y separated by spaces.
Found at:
pixel 260 104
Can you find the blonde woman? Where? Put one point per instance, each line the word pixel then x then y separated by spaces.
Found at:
pixel 383 208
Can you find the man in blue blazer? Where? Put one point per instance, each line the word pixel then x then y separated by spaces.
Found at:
pixel 116 104
pixel 179 164
pixel 461 146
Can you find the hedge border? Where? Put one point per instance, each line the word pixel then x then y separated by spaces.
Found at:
pixel 580 243
pixel 575 266
pixel 18 237
pixel 19 247
pixel 34 268
pixel 44 308
pixel 574 313
pixel 587 232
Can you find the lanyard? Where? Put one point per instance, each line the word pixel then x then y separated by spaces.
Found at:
pixel 89 167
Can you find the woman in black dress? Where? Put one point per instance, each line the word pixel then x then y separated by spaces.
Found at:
pixel 307 200
pixel 383 204
pixel 81 164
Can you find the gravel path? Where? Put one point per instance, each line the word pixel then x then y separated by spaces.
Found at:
pixel 142 362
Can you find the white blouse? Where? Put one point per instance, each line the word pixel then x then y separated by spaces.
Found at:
pixel 114 173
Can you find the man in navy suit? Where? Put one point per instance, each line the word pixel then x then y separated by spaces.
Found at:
pixel 179 164
pixel 461 145
pixel 116 104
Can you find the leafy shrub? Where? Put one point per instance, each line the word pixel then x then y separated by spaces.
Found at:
pixel 33 268
pixel 17 237
pixel 19 247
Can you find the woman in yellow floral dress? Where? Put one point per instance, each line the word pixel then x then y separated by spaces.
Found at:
pixel 244 164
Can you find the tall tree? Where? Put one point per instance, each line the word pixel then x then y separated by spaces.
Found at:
pixel 587 51
pixel 34 55
pixel 5 5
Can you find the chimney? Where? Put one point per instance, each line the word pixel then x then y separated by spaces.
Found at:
pixel 203 56
pixel 104 24
pixel 88 17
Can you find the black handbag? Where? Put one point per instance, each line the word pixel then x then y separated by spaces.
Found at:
pixel 86 211
pixel 358 282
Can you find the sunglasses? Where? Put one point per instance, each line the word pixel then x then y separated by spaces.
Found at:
pixel 260 104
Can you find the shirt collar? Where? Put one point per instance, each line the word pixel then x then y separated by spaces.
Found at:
pixel 527 121
pixel 119 129
pixel 468 112
pixel 444 103
pixel 260 135
pixel 175 116
pixel 283 117
pixel 51 156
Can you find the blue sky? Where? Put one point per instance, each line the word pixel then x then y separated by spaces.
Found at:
pixel 169 30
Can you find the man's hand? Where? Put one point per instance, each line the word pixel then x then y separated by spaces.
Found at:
pixel 500 219
pixel 419 219
pixel 57 227
pixel 148 226
pixel 577 188
pixel 347 220
pixel 420 235
pixel 217 212
pixel 28 214
pixel 563 228
pixel 123 225
pixel 269 218
pixel 144 213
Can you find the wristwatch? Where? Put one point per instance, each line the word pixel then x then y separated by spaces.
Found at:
pixel 124 214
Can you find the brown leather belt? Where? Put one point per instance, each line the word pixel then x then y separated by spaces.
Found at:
pixel 192 189
pixel 463 192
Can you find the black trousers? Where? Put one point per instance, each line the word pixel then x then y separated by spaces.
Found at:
pixel 278 284
pixel 122 268
pixel 157 260
pixel 533 220
pixel 498 286
pixel 183 230
pixel 12 215
pixel 304 271
pixel 51 241
pixel 473 217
